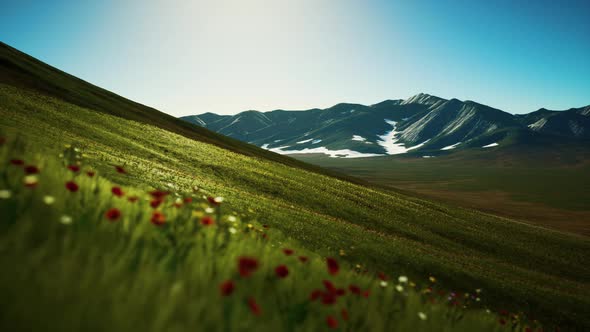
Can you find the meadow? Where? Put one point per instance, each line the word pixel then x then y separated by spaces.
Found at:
pixel 519 268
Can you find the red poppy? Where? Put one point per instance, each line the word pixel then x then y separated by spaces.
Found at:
pixel 382 276
pixel 315 294
pixel 344 313
pixel 288 252
pixel 332 322
pixel 227 288
pixel 31 169
pixel 340 292
pixel 303 259
pixel 120 169
pixel 366 293
pixel 113 214
pixel 188 199
pixel 333 267
pixel 177 205
pixel 74 168
pixel 502 321
pixel 282 271
pixel 254 307
pixel 207 221
pixel 212 201
pixel 158 218
pixel 117 191
pixel 90 174
pixel 17 162
pixel 328 298
pixel 264 236
pixel 247 266
pixel 354 289
pixel 72 186
pixel 265 226
pixel 155 203
pixel 158 194
pixel 329 286
pixel 132 199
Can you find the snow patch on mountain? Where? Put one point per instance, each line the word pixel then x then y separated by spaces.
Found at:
pixel 538 125
pixel 450 147
pixel 343 153
pixel 389 141
pixel 316 141
pixel 305 141
pixel 490 145
pixel 358 138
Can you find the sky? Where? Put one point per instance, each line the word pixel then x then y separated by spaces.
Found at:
pixel 227 56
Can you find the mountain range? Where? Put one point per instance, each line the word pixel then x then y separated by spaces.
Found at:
pixel 423 125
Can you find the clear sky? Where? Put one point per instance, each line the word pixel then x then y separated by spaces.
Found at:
pixel 191 57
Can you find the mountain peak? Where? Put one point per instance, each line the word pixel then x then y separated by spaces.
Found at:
pixel 423 98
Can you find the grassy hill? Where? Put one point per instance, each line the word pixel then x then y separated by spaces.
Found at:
pixel 519 267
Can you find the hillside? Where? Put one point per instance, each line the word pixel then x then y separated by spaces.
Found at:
pixel 422 125
pixel 518 266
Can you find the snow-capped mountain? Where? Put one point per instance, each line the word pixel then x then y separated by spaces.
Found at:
pixel 422 124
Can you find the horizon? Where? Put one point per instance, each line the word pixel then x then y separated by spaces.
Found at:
pixel 225 57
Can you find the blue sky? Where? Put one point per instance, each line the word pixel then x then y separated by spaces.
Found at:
pixel 191 57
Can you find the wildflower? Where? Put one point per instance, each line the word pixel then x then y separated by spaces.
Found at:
pixel 158 194
pixel 117 191
pixel 342 252
pixel 329 286
pixel 333 267
pixel 5 194
pixel 31 169
pixel 282 271
pixel 227 287
pixel 288 252
pixel 232 219
pixel 332 322
pixel 17 162
pixel 383 283
pixel 132 199
pixel 328 298
pixel 120 170
pixel 502 321
pixel 382 276
pixel 247 266
pixel 422 315
pixel 90 174
pixel 315 294
pixel 207 221
pixel 113 214
pixel 74 168
pixel 31 180
pixel 72 186
pixel 344 314
pixel 65 219
pixel 209 210
pixel 265 226
pixel 48 200
pixel 158 218
pixel 354 289
pixel 432 279
pixel 402 279
pixel 303 259
pixel 154 203
pixel 366 293
pixel 254 307
pixel 399 288
pixel 188 200
pixel 232 230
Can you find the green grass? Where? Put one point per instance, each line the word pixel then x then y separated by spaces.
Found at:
pixel 94 274
pixel 519 267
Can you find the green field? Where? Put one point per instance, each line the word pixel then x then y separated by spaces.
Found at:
pixel 126 276
pixel 548 188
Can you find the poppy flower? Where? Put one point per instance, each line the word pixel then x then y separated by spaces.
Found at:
pixel 382 276
pixel 158 194
pixel 31 169
pixel 17 162
pixel 254 307
pixel 265 226
pixel 344 314
pixel 5 194
pixel 227 288
pixel 72 186
pixel 340 292
pixel 207 221
pixel 264 236
pixel 288 252
pixel 332 322
pixel 188 200
pixel 74 168
pixel 333 267
pixel 132 199
pixel 282 271
pixel 90 174
pixel 303 259
pixel 117 191
pixel 120 170
pixel 155 203
pixel 502 321
pixel 329 286
pixel 247 266
pixel 113 214
pixel 328 298
pixel 354 289
pixel 214 200
pixel 315 294
pixel 158 218
pixel 366 293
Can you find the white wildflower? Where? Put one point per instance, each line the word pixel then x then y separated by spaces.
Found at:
pixel 5 194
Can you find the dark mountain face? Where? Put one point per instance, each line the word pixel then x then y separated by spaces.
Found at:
pixel 423 125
